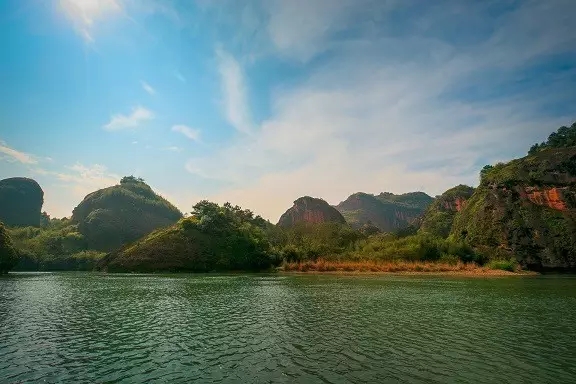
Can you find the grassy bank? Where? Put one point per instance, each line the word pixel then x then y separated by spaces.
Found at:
pixel 370 266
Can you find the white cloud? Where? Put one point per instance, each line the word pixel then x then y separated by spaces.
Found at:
pixel 234 92
pixel 179 76
pixel 377 115
pixel 172 149
pixel 84 14
pixel 139 114
pixel 64 189
pixel 191 133
pixel 148 88
pixel 15 155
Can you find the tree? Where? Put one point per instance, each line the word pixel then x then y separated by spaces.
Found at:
pixel 8 255
pixel 485 170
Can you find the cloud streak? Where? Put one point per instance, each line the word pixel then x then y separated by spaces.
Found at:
pixel 84 14
pixel 148 88
pixel 191 133
pixel 139 115
pixel 233 88
pixel 14 155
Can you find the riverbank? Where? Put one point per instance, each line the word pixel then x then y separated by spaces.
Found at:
pixel 400 267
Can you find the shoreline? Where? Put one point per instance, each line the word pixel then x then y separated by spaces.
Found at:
pixel 484 273
pixel 367 267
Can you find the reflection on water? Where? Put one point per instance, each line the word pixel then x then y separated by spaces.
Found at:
pixel 74 327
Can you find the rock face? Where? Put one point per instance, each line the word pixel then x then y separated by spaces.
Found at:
pixel 310 210
pixel 440 215
pixel 21 202
pixel 526 209
pixel 386 211
pixel 114 216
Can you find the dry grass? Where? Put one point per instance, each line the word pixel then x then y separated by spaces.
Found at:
pixel 371 266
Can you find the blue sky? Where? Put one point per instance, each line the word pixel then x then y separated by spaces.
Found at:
pixel 258 102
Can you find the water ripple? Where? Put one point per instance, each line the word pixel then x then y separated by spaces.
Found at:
pixel 92 328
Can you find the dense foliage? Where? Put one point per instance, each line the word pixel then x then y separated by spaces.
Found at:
pixel 21 201
pixel 118 215
pixel 57 245
pixel 8 254
pixel 440 214
pixel 564 137
pixel 213 238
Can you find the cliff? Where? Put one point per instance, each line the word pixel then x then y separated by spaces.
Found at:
pixel 21 201
pixel 114 216
pixel 440 215
pixel 526 209
pixel 386 211
pixel 310 210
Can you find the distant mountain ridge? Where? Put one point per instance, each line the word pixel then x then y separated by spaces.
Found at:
pixel 386 211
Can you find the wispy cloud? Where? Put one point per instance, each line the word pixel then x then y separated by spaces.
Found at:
pixel 234 92
pixel 172 149
pixel 14 155
pixel 379 112
pixel 84 14
pixel 139 114
pixel 179 76
pixel 148 88
pixel 191 133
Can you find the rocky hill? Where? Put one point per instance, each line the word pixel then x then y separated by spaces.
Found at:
pixel 526 208
pixel 439 217
pixel 21 202
pixel 387 211
pixel 310 210
pixel 114 216
pixel 214 238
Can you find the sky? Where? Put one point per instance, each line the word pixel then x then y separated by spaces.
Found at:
pixel 259 102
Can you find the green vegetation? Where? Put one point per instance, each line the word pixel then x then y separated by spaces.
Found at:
pixel 505 265
pixel 8 254
pixel 118 215
pixel 386 211
pixel 21 201
pixel 564 137
pixel 440 214
pixel 213 238
pixel 57 245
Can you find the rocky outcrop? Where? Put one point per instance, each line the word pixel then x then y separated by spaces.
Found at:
pixel 387 211
pixel 554 198
pixel 310 210
pixel 526 209
pixel 114 216
pixel 439 216
pixel 21 201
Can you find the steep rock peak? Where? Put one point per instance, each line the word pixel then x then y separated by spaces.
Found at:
pixel 312 210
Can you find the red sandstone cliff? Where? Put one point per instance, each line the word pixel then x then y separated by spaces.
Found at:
pixel 310 210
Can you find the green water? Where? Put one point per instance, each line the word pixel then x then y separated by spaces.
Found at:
pixel 95 328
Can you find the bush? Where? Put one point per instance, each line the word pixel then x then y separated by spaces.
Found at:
pixel 505 265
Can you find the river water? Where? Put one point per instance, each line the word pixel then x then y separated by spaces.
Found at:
pixel 96 328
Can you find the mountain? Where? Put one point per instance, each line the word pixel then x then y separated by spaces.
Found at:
pixel 117 215
pixel 439 216
pixel 310 210
pixel 386 211
pixel 214 238
pixel 526 209
pixel 21 201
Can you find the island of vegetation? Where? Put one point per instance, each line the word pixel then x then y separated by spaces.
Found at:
pixel 520 217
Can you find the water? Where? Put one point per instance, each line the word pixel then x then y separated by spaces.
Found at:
pixel 96 328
